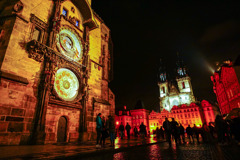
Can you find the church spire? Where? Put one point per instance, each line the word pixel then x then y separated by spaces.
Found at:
pixel 162 72
pixel 181 68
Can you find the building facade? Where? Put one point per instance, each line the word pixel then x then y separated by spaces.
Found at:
pixel 195 113
pixel 226 87
pixel 55 66
pixel 175 93
pixel 134 117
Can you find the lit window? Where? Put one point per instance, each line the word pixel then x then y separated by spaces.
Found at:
pixel 64 12
pixel 77 23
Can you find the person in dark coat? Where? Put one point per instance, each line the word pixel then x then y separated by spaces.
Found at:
pixel 104 132
pixel 161 131
pixel 135 130
pixel 157 133
pixel 182 133
pixel 189 131
pixel 128 128
pixel 175 130
pixel 111 129
pixel 143 130
pixel 121 129
pixel 196 132
pixel 99 129
pixel 221 128
pixel 211 128
pixel 168 130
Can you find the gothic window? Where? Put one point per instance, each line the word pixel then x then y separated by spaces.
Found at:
pixel 38 29
pixel 183 85
pixel 65 12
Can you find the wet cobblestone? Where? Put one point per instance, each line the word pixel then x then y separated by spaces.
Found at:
pixel 134 149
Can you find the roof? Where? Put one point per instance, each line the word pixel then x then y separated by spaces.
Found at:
pixel 139 105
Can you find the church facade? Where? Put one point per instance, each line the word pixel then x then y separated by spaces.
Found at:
pixel 175 93
pixel 55 65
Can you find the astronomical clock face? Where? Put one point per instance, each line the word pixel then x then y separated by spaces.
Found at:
pixel 69 44
pixel 66 84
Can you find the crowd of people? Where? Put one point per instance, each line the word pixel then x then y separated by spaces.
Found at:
pixel 105 128
pixel 223 131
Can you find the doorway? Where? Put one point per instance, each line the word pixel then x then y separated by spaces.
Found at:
pixel 62 130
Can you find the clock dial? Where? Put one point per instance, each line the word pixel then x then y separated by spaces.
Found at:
pixel 66 84
pixel 69 44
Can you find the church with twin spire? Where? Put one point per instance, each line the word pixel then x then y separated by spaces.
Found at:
pixel 175 92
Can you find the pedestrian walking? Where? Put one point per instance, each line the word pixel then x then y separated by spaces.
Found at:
pixel 121 129
pixel 221 128
pixel 157 133
pixel 111 129
pixel 211 128
pixel 135 130
pixel 99 129
pixel 168 130
pixel 175 130
pixel 128 128
pixel 104 132
pixel 182 133
pixel 143 130
pixel 189 131
pixel 161 131
pixel 196 132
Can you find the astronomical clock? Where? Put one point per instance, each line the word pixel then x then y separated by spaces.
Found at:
pixel 69 44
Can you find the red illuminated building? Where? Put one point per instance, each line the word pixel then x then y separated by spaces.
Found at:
pixel 195 113
pixel 226 87
pixel 133 117
pixel 185 115
pixel 140 115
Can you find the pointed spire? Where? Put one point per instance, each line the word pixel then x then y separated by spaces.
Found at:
pixel 162 72
pixel 181 69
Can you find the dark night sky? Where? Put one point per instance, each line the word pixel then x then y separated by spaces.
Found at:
pixel 143 31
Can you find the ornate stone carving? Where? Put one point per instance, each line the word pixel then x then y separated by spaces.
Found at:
pixel 54 61
pixel 18 7
pixel 38 22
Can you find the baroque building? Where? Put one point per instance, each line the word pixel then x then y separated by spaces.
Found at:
pixel 175 93
pixel 226 86
pixel 194 113
pixel 55 65
pixel 134 117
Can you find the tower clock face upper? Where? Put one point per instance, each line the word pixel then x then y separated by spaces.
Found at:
pixel 69 44
pixel 66 84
